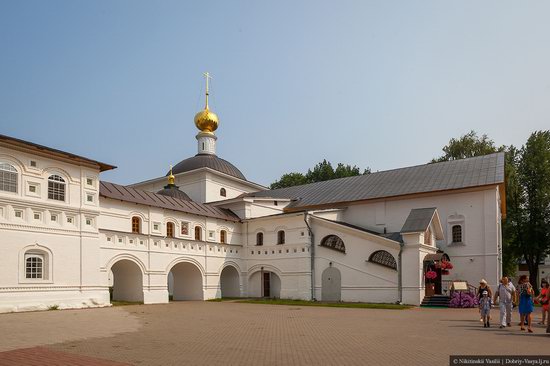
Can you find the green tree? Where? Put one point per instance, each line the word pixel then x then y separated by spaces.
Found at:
pixel 289 180
pixel 467 146
pixel 320 172
pixel 534 177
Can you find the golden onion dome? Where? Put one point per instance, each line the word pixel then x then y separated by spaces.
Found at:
pixel 206 120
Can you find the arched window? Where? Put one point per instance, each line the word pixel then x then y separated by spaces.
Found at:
pixel 136 225
pixel 383 258
pixel 198 233
pixel 333 242
pixel 223 193
pixel 260 239
pixel 223 236
pixel 56 188
pixel 34 266
pixel 8 178
pixel 281 237
pixel 457 233
pixel 170 229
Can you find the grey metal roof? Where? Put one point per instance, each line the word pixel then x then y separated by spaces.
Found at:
pixel 129 194
pixel 418 220
pixel 391 236
pixel 207 161
pixel 449 175
pixel 174 191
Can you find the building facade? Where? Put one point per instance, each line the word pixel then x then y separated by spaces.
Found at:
pixel 69 239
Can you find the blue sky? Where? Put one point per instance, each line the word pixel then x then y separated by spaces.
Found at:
pixel 381 84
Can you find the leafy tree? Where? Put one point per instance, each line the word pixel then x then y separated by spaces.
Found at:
pixel 320 172
pixel 467 146
pixel 534 177
pixel 289 180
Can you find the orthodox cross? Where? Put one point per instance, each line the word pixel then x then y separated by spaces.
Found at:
pixel 207 77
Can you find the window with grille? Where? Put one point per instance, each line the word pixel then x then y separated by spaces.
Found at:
pixel 333 242
pixel 280 237
pixel 136 223
pixel 34 266
pixel 383 258
pixel 198 233
pixel 457 234
pixel 223 236
pixel 56 188
pixel 170 229
pixel 260 239
pixel 8 178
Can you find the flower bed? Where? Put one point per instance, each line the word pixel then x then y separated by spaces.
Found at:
pixel 463 300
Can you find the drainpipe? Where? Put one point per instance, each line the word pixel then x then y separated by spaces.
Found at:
pixel 312 251
pixel 400 274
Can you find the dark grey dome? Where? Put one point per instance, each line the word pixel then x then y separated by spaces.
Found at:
pixel 207 161
pixel 173 191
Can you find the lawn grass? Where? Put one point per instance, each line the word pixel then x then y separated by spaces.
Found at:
pixel 124 303
pixel 360 305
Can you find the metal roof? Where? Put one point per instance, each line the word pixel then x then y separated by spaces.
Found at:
pixel 77 158
pixel 129 194
pixel 448 175
pixel 418 220
pixel 207 161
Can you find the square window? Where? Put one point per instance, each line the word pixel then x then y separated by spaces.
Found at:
pixel 89 222
pixel 19 214
pixel 90 198
pixel 32 188
pixel 108 238
pixel 69 220
pixel 37 216
pixel 53 218
pixel 120 240
pixel 156 227
pixel 210 234
pixel 89 181
pixel 33 163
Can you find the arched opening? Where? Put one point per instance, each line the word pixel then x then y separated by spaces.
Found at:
pixel 331 285
pixel 170 229
pixel 333 242
pixel 383 258
pixel 229 282
pixel 127 281
pixel 223 192
pixel 265 284
pixel 223 237
pixel 56 188
pixel 136 225
pixel 198 233
pixel 187 282
pixel 8 177
pixel 260 239
pixel 280 237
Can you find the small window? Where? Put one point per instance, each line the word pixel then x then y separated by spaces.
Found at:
pixel 32 188
pixel 19 214
pixel 90 198
pixel 170 229
pixel 333 242
pixel 223 236
pixel 70 220
pixel 275 203
pixel 211 234
pixel 53 218
pixel 8 178
pixel 198 233
pixel 33 163
pixel 457 233
pixel 89 181
pixel 34 266
pixel 280 237
pixel 260 239
pixel 383 258
pixel 89 221
pixel 56 188
pixel 136 225
pixel 156 227
pixel 223 193
pixel 37 215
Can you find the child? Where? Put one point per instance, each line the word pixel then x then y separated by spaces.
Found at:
pixel 485 304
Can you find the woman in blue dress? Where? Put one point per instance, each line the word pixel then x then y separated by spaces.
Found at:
pixel 526 304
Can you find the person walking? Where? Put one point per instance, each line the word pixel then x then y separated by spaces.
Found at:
pixel 543 300
pixel 485 308
pixel 483 286
pixel 506 295
pixel 526 305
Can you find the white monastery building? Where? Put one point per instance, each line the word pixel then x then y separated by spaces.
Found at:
pixel 71 240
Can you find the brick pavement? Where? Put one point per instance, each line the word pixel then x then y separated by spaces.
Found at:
pixel 38 356
pixel 212 333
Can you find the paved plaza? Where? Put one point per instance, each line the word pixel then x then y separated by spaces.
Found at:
pixel 211 333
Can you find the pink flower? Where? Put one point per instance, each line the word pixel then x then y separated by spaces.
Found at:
pixel 431 275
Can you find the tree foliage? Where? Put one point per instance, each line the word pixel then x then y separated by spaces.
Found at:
pixel 468 146
pixel 320 172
